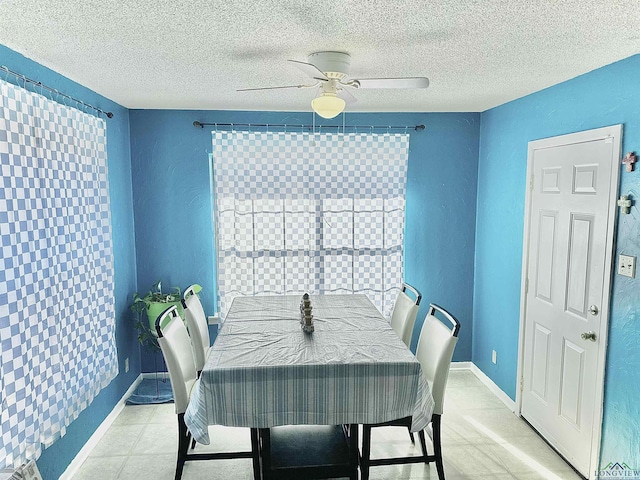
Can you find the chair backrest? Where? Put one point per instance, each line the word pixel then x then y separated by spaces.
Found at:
pixel 197 325
pixel 176 348
pixel 404 313
pixel 435 350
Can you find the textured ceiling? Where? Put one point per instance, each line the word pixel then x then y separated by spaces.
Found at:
pixel 194 54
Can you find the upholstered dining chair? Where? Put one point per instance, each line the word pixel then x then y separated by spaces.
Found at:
pixel 403 318
pixel 405 310
pixel 176 348
pixel 198 327
pixel 434 352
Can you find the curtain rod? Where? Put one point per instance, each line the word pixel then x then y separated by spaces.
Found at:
pixel 26 80
pixel 197 124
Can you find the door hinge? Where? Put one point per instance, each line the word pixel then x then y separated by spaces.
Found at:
pixel 531 183
pixel 526 285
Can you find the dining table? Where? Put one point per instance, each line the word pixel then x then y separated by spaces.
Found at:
pixel 264 370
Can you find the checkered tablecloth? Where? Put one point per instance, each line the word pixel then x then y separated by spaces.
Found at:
pixel 264 371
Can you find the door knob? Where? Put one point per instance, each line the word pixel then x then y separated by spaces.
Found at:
pixel 589 336
pixel 593 310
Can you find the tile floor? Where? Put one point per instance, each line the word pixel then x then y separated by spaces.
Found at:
pixel 481 440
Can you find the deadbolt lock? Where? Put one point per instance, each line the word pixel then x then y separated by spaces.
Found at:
pixel 593 310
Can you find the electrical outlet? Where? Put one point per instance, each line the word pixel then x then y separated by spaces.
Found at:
pixel 126 365
pixel 494 357
pixel 627 266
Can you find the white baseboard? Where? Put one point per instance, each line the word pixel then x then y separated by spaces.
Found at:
pixel 152 375
pixel 460 366
pixel 82 455
pixel 503 397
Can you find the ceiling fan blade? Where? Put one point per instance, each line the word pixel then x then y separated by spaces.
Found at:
pixel 309 69
pixel 273 88
pixel 407 82
pixel 346 95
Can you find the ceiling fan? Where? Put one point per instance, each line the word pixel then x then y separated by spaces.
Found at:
pixel 330 70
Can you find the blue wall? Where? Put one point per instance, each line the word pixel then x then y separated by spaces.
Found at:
pixel 56 458
pixel 607 96
pixel 172 202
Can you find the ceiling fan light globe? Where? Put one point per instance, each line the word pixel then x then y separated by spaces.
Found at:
pixel 328 105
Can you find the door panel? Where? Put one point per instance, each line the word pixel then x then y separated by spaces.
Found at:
pixel 579 264
pixel 572 374
pixel 570 218
pixel 551 180
pixel 544 277
pixel 541 361
pixel 584 179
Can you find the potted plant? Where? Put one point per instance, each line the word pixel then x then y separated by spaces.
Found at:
pixel 153 304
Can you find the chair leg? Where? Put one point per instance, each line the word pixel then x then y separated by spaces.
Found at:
pixel 413 439
pixel 366 452
pixel 423 445
pixel 256 454
pixel 437 446
pixel 193 443
pixel 183 445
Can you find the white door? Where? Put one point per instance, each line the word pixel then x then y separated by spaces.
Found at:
pixel 568 252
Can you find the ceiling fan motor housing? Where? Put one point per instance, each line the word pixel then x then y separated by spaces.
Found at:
pixel 332 64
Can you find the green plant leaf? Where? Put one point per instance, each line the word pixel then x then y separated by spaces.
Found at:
pixel 146 336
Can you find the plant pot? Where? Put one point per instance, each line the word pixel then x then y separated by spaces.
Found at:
pixel 154 309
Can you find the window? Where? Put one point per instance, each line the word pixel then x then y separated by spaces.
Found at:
pixel 304 212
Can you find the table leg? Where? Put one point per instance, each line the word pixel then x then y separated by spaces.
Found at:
pixel 353 450
pixel 264 440
pixel 366 452
pixel 255 451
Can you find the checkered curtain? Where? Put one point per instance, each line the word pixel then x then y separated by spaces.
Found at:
pixel 57 327
pixel 304 212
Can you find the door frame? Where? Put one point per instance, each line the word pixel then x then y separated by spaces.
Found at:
pixel 614 132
